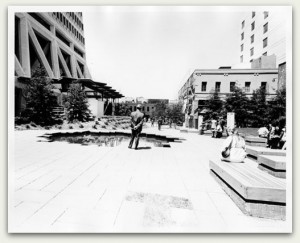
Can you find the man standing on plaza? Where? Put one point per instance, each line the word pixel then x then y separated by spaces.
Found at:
pixel 137 119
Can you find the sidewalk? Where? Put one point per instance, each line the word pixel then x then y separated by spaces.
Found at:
pixel 61 187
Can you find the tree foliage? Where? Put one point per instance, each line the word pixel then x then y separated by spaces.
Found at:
pixel 278 104
pixel 258 108
pixel 76 104
pixel 122 110
pixel 215 105
pixel 238 103
pixel 175 111
pixel 160 109
pixel 39 98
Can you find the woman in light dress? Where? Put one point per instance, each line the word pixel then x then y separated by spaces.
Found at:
pixel 234 148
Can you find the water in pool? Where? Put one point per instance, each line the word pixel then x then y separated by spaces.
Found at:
pixel 108 140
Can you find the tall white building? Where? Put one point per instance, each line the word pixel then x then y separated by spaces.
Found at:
pixel 263 33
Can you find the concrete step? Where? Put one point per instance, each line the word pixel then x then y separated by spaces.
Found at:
pixel 272 164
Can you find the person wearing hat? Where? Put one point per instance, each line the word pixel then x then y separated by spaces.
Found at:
pixel 137 119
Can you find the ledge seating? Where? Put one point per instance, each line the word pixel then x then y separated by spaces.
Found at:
pixel 253 152
pixel 255 192
pixel 274 165
pixel 256 141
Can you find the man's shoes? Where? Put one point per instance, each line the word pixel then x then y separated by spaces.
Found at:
pixel 129 147
pixel 136 148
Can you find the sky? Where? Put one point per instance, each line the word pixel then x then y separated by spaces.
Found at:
pixel 151 51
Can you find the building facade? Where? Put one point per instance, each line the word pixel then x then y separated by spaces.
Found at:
pixel 204 82
pixel 263 34
pixel 55 41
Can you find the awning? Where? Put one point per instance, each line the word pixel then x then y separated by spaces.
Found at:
pixel 102 88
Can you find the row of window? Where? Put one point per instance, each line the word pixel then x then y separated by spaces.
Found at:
pixel 265 43
pixel 266 14
pixel 232 85
pixel 265 29
pixel 242 57
pixel 76 19
pixel 60 17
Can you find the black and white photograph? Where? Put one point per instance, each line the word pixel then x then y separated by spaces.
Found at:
pixel 150 119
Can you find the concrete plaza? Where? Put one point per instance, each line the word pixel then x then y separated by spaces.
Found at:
pixel 62 187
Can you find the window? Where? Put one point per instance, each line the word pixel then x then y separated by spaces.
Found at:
pixel 243 24
pixel 242 47
pixel 253 26
pixel 252 38
pixel 203 86
pixel 265 27
pixel 265 42
pixel 218 86
pixel 265 54
pixel 266 14
pixel 247 87
pixel 253 14
pixel 252 51
pixel 264 85
pixel 241 58
pixel 148 108
pixel 242 36
pixel 232 85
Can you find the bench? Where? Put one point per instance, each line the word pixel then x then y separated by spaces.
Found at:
pixel 274 165
pixel 255 192
pixel 253 152
pixel 256 141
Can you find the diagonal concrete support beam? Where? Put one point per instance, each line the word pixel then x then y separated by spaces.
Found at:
pixel 24 45
pixel 65 66
pixel 39 51
pixel 18 68
pixel 79 70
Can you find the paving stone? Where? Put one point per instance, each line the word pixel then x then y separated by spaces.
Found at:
pixel 63 187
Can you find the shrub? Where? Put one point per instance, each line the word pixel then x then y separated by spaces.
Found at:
pixel 76 104
pixel 39 98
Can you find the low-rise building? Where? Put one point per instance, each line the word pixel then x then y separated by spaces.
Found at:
pixel 204 82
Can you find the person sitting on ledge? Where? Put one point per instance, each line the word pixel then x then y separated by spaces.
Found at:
pixel 234 148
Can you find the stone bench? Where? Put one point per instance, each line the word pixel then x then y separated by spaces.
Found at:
pixel 272 164
pixel 256 141
pixel 255 192
pixel 253 152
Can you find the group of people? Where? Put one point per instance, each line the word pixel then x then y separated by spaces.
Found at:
pixel 275 134
pixel 234 146
pixel 217 128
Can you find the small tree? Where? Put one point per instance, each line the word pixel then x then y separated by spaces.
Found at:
pixel 160 109
pixel 122 110
pixel 39 98
pixel 258 108
pixel 238 103
pixel 76 104
pixel 214 104
pixel 175 112
pixel 278 105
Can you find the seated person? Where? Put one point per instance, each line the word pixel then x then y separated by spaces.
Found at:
pixel 263 132
pixel 282 141
pixel 275 137
pixel 234 148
